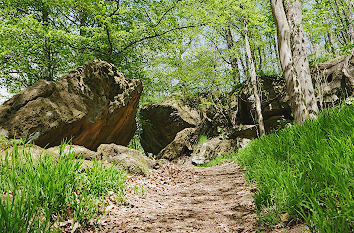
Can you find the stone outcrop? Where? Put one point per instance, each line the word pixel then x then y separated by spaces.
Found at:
pixel 179 146
pixel 131 160
pixel 92 105
pixel 275 108
pixel 242 131
pixel 165 126
pixel 210 149
pixel 161 122
pixel 334 81
pixel 78 151
pixel 35 151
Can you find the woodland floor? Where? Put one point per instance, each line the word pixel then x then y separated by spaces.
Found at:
pixel 184 198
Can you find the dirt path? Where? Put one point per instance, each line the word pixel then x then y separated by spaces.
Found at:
pixel 184 198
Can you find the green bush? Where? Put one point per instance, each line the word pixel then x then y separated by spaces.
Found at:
pixel 37 191
pixel 306 171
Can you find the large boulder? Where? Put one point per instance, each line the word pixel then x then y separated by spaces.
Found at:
pixel 131 160
pixel 207 151
pixel 161 122
pixel 243 131
pixel 78 151
pixel 92 105
pixel 9 150
pixel 334 81
pixel 275 107
pixel 179 146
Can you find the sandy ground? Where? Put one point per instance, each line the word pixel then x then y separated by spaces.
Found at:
pixel 185 198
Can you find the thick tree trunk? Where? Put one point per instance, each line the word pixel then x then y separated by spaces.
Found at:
pixel 300 61
pixel 254 81
pixel 293 85
pixel 233 60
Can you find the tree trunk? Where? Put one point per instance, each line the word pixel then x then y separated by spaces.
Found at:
pixel 234 63
pixel 260 59
pixel 300 61
pixel 293 85
pixel 351 29
pixel 254 81
pixel 331 42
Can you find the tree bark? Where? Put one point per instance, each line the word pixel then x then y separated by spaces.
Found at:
pixel 233 60
pixel 254 81
pixel 260 59
pixel 300 60
pixel 293 85
pixel 351 29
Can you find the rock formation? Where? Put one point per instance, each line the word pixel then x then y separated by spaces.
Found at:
pixel 210 149
pixel 275 108
pixel 92 105
pixel 334 81
pixel 131 160
pixel 161 122
pixel 179 146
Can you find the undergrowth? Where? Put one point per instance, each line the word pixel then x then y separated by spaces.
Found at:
pixel 219 160
pixel 306 171
pixel 36 192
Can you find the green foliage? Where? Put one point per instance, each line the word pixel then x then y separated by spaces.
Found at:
pixel 202 139
pixel 38 191
pixel 43 39
pixel 219 160
pixel 306 171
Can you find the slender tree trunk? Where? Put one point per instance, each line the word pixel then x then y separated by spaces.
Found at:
pixel 342 19
pixel 293 85
pixel 83 34
pixel 47 72
pixel 351 27
pixel 234 63
pixel 254 81
pixel 110 45
pixel 260 59
pixel 243 67
pixel 331 42
pixel 82 18
pixel 300 60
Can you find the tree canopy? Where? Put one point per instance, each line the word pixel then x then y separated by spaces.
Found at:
pixel 185 46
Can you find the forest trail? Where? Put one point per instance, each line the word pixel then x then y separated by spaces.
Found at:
pixel 185 198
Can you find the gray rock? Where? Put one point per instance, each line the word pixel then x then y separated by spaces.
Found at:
pixel 161 122
pixel 178 146
pixel 131 160
pixel 78 151
pixel 210 149
pixel 243 131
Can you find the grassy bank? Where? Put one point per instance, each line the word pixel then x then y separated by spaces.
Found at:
pixel 36 193
pixel 305 171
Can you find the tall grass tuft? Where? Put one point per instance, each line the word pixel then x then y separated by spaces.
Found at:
pixel 37 191
pixel 307 171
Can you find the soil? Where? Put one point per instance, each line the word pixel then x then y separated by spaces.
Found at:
pixel 184 198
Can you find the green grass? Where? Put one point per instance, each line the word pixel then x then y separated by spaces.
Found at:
pixel 219 160
pixel 306 171
pixel 35 193
pixel 202 139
